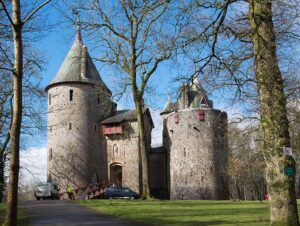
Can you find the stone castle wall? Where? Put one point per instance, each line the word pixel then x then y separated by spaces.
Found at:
pixel 197 153
pixel 124 150
pixel 191 165
pixel 73 133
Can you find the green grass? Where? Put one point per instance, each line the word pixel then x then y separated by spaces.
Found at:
pixel 185 212
pixel 22 216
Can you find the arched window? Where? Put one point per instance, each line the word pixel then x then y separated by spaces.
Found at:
pixel 115 150
pixel 184 152
pixel 71 95
pixel 50 154
pixel 50 99
pixel 98 98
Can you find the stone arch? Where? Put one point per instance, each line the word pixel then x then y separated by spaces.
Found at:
pixel 116 174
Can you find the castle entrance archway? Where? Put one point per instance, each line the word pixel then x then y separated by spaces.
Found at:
pixel 116 174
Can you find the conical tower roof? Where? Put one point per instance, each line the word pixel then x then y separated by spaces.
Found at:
pixel 196 85
pixel 198 95
pixel 78 66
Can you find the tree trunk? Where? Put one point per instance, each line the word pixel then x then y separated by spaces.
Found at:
pixel 256 188
pixel 12 194
pixel 139 105
pixel 143 147
pixel 2 181
pixel 273 115
pixel 237 188
pixel 2 165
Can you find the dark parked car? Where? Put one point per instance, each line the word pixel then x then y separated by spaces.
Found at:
pixel 120 193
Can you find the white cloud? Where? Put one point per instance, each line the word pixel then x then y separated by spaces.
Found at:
pixel 33 164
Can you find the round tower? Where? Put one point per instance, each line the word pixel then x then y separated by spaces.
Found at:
pixel 78 100
pixel 195 137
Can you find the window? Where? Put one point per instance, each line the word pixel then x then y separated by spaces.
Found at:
pixel 70 126
pixel 115 150
pixel 50 128
pixel 98 99
pixel 71 95
pixel 49 99
pixel 184 152
pixel 50 154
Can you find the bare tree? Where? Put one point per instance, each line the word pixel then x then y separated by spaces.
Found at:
pixel 273 115
pixel 246 165
pixel 17 23
pixel 136 38
pixel 241 43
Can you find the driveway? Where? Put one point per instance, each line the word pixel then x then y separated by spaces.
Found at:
pixel 67 213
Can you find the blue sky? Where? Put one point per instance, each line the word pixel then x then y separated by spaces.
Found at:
pixel 55 45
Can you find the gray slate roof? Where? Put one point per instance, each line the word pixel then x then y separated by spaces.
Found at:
pixel 127 115
pixel 78 66
pixel 120 116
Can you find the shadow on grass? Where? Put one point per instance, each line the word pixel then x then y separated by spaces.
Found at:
pixel 185 212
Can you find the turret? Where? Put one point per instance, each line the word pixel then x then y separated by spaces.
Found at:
pixel 195 137
pixel 78 100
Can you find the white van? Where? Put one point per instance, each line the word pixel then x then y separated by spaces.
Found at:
pixel 46 190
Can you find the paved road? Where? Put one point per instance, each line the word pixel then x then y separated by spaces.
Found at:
pixel 66 213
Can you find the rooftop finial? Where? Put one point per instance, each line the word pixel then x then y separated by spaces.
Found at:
pixel 78 24
pixel 78 31
pixel 195 80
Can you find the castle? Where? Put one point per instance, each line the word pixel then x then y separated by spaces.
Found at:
pixel 89 140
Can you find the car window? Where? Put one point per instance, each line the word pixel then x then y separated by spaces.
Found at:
pixel 43 185
pixel 126 190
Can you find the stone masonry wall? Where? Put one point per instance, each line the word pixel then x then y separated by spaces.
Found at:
pixel 124 150
pixel 74 153
pixel 197 153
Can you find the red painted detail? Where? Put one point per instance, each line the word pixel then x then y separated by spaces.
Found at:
pixel 201 115
pixel 112 129
pixel 176 118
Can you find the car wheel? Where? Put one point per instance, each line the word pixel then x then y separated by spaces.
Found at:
pixel 37 198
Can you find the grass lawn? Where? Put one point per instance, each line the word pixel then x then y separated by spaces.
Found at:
pixel 185 212
pixel 22 217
